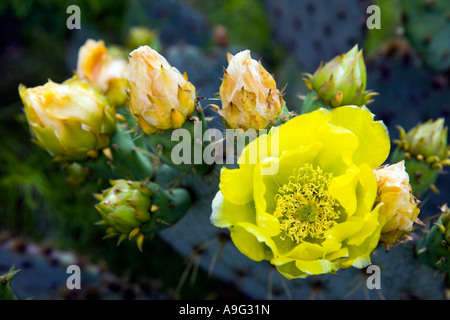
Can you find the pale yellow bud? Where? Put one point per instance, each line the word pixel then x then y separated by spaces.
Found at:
pixel 250 98
pixel 72 121
pixel 399 206
pixel 107 72
pixel 161 98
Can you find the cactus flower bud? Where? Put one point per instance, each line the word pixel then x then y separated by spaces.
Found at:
pixel 161 98
pixel 425 151
pixel 427 143
pixel 399 207
pixel 130 209
pixel 6 292
pixel 141 36
pixel 72 121
pixel 434 248
pixel 107 72
pixel 125 207
pixel 250 98
pixel 341 81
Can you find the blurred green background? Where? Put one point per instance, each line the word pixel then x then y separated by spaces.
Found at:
pixel 407 61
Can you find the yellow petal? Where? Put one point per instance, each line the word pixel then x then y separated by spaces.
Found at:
pixel 339 144
pixel 374 142
pixel 316 266
pixel 307 251
pixel 342 231
pixel 177 118
pixel 342 188
pixel 368 227
pixel 235 186
pixel 366 190
pixel 341 253
pixel 264 220
pixel 295 159
pixel 302 130
pixel 226 214
pixel 249 240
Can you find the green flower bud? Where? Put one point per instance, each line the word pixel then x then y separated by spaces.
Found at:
pixel 141 36
pixel 6 292
pixel 124 207
pixel 130 209
pixel 427 143
pixel 341 81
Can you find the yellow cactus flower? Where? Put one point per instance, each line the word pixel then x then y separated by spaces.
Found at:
pixel 250 98
pixel 399 206
pixel 107 72
pixel 315 212
pixel 161 98
pixel 72 121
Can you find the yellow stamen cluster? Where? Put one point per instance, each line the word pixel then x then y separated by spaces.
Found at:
pixel 304 206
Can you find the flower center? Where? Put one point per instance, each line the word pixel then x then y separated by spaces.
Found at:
pixel 304 206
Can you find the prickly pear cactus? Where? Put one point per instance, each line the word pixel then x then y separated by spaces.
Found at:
pixel 115 161
pixel 427 27
pixel 205 71
pixel 420 96
pixel 315 31
pixel 433 248
pixel 425 151
pixel 142 193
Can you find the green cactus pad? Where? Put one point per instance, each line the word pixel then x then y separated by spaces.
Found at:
pixel 427 26
pixel 126 157
pixel 434 250
pixel 421 175
pixel 315 31
pixel 162 144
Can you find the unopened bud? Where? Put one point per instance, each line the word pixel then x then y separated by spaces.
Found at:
pixel 342 80
pixel 399 206
pixel 72 121
pixel 161 98
pixel 250 98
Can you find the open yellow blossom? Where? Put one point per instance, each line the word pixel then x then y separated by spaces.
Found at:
pixel 399 206
pixel 161 98
pixel 315 213
pixel 250 98
pixel 107 72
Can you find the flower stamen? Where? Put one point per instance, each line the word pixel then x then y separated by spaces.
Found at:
pixel 304 206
